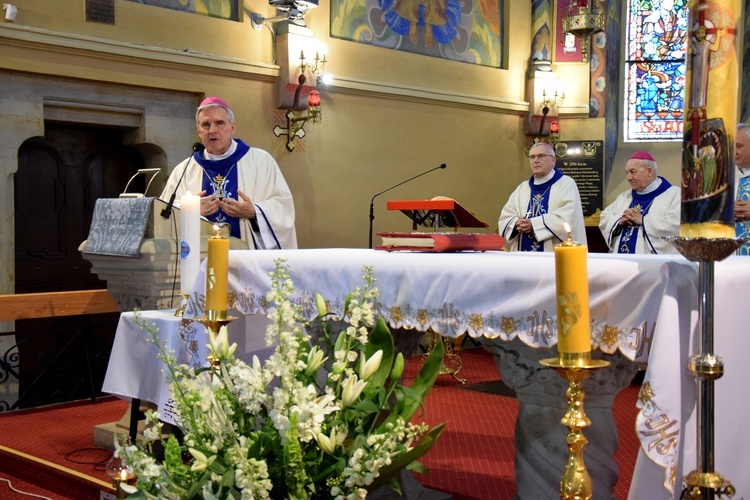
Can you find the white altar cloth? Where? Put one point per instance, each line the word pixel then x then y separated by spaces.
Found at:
pixel 135 372
pixel 645 306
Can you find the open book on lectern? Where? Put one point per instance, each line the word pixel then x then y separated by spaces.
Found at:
pixel 436 213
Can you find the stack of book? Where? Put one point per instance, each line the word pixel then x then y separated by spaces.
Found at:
pixel 440 242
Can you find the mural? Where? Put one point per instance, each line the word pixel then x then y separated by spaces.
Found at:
pixel 541 15
pixel 459 30
pixel 223 9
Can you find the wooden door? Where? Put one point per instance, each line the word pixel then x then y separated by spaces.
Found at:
pixel 60 177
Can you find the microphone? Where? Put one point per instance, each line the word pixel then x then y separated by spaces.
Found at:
pixel 168 209
pixel 372 201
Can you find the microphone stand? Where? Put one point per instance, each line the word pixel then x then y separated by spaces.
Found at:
pixel 372 201
pixel 167 211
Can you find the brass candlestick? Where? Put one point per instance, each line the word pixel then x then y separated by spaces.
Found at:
pixel 575 368
pixel 705 482
pixel 213 321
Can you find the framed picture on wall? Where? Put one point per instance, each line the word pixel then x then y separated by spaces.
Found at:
pixel 223 9
pixel 469 31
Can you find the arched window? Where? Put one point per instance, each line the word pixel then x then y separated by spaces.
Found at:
pixel 655 69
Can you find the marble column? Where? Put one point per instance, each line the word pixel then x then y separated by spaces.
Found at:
pixel 540 437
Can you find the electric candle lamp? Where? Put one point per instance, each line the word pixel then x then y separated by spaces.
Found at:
pixel 120 474
pixel 190 241
pixel 572 297
pixel 313 100
pixel 217 274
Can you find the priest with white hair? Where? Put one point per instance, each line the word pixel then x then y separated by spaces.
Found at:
pixel 239 185
pixel 639 218
pixel 534 218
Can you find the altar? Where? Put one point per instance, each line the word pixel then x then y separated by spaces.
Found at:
pixel 643 308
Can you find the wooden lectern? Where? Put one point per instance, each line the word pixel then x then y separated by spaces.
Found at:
pixel 436 213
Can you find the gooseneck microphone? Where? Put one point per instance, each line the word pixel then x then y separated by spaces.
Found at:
pixel 372 201
pixel 167 211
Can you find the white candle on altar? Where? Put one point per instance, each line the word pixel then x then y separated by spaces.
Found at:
pixel 190 241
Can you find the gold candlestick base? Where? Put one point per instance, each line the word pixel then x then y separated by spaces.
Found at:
pixel 575 368
pixel 702 485
pixel 213 321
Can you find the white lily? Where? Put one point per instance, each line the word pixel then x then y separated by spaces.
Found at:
pixel 320 302
pixel 327 444
pixel 201 461
pixel 398 367
pixel 128 488
pixel 220 344
pixel 353 387
pixel 315 360
pixel 370 366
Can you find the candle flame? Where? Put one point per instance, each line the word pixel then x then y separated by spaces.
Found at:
pixel 567 227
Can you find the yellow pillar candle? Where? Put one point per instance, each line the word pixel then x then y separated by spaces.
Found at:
pixel 572 297
pixel 217 272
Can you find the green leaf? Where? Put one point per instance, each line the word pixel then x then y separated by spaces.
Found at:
pixel 407 406
pixel 380 339
pixel 417 466
pixel 404 459
pixel 198 484
pixel 227 480
pixel 366 406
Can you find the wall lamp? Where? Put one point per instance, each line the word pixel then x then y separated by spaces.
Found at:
pixel 552 102
pixel 582 23
pixel 296 117
pixel 317 68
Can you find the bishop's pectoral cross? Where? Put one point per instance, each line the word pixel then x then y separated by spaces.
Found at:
pixel 219 183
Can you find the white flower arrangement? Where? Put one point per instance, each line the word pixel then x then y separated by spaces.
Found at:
pixel 329 420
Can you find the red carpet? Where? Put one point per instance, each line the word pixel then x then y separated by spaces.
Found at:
pixel 473 459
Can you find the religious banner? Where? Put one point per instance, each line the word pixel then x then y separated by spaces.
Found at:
pixel 468 31
pixel 711 95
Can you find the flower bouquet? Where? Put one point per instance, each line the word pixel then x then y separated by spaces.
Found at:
pixel 322 419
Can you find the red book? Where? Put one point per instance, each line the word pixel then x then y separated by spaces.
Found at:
pixel 440 242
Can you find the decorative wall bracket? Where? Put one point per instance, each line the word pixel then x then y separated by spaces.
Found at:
pixel 296 119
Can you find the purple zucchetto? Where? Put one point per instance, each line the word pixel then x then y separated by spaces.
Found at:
pixel 212 101
pixel 642 155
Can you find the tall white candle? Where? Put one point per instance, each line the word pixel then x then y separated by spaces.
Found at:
pixel 190 241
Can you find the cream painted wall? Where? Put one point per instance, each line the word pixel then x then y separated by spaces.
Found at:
pixel 415 112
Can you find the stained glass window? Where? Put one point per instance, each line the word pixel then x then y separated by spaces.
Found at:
pixel 655 69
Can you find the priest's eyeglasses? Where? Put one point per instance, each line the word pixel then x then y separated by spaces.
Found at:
pixel 540 156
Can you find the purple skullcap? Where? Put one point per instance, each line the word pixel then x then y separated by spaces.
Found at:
pixel 212 101
pixel 642 155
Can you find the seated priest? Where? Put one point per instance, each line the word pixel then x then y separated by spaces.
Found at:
pixel 238 184
pixel 533 218
pixel 640 217
pixel 742 185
